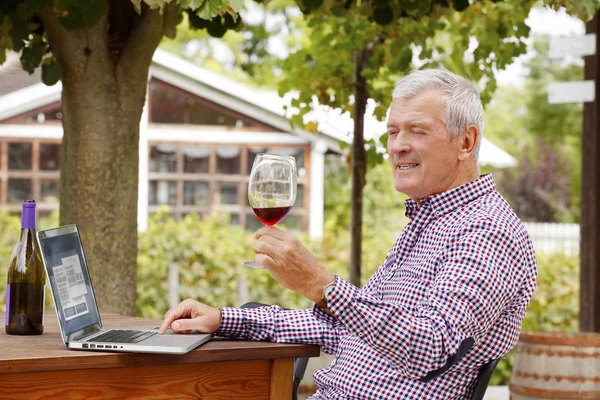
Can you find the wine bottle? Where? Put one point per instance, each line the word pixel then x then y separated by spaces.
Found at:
pixel 26 280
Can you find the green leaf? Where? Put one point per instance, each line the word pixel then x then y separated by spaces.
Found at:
pixel 196 22
pixel 383 15
pixel 5 41
pixel 137 6
pixel 216 27
pixel 19 33
pixel 81 14
pixel 30 7
pixel 236 4
pixel 210 9
pixel 51 73
pixel 31 57
pixel 192 4
pixel 154 4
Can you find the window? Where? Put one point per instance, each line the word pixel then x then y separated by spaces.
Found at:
pixel 49 114
pixel 196 194
pixel 49 190
pixel 19 156
pixel 18 190
pixel 228 160
pixel 227 193
pixel 162 192
pixel 163 158
pixel 208 178
pixel 49 156
pixel 252 153
pixel 31 171
pixel 171 105
pixel 195 159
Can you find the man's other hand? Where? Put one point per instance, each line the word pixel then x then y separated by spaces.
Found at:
pixel 189 315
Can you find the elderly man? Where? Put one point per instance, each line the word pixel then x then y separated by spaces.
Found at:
pixel 450 295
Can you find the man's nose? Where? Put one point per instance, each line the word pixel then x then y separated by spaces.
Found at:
pixel 398 144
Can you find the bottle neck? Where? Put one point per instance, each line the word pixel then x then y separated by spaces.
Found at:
pixel 28 217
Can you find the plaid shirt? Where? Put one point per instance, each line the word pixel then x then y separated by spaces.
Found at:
pixel 450 296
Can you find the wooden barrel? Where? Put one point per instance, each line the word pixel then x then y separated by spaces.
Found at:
pixel 556 365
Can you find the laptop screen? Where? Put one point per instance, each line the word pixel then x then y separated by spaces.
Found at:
pixel 71 286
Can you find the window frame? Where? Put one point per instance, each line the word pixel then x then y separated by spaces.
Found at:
pixel 241 209
pixel 35 174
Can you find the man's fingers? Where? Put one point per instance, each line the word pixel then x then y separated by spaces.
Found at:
pixel 185 325
pixel 263 246
pixel 264 260
pixel 165 325
pixel 170 316
pixel 180 310
pixel 273 232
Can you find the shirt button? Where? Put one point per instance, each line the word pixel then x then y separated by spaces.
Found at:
pixel 438 214
pixel 360 334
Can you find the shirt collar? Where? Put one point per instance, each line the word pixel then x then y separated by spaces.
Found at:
pixel 443 203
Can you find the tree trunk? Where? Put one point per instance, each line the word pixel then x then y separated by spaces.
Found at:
pixel 99 181
pixel 359 167
pixel 104 75
pixel 359 157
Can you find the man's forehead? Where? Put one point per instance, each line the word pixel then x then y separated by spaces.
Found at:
pixel 420 109
pixel 412 117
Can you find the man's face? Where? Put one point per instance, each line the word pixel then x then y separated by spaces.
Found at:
pixel 424 158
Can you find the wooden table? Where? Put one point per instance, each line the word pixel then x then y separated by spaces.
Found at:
pixel 33 367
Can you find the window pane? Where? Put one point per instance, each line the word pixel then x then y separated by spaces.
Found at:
pixel 163 158
pixel 49 156
pixel 49 191
pixel 19 156
pixel 227 193
pixel 172 106
pixel 39 116
pixel 235 219
pixel 252 222
pixel 228 160
pixel 195 159
pixel 19 190
pixel 162 192
pixel 299 197
pixel 252 152
pixel 196 194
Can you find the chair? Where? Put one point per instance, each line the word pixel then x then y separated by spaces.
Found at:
pixel 483 379
pixel 299 363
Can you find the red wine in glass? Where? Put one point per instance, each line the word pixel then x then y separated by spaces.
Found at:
pixel 271 189
pixel 271 215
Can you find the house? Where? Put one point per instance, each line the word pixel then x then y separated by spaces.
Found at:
pixel 199 133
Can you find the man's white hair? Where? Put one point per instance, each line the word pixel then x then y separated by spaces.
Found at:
pixel 461 99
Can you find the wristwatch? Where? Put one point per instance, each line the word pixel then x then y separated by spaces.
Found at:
pixel 327 289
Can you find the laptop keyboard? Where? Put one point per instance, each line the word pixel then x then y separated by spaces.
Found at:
pixel 122 336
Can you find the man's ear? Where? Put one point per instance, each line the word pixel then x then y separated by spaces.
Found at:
pixel 468 140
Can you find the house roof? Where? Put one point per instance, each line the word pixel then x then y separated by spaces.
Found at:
pixel 268 106
pixel 14 77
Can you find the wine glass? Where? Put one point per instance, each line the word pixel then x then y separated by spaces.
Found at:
pixel 271 189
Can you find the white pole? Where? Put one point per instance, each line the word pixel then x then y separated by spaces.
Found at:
pixel 317 182
pixel 143 169
pixel 173 285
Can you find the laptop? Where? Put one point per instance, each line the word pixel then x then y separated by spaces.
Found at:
pixel 77 310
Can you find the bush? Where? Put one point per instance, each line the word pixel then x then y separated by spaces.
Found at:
pixel 210 254
pixel 553 307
